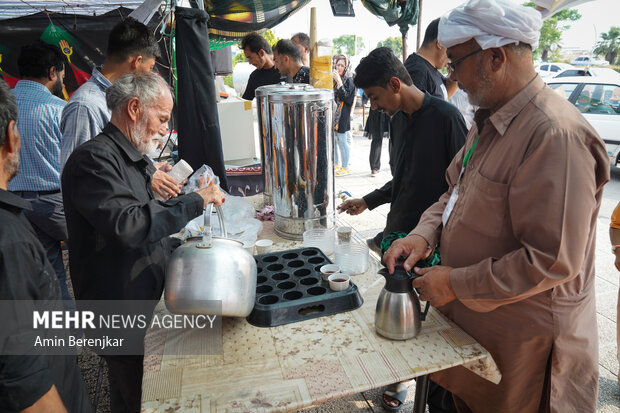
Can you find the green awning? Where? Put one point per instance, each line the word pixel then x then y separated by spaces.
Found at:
pixel 404 13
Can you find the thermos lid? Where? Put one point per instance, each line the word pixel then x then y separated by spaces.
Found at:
pixel 267 89
pixel 399 282
pixel 299 94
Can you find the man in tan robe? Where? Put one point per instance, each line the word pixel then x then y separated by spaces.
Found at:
pixel 517 226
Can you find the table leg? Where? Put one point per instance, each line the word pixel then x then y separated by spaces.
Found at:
pixel 421 394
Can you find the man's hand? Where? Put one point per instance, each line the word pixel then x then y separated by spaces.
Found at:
pixel 353 206
pixel 212 194
pixel 163 166
pixel 434 285
pixel 164 185
pixel 413 247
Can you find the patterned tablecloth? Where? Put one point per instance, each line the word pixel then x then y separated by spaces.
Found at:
pixel 296 365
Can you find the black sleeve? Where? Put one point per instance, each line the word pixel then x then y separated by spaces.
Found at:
pixel 346 93
pixel 456 133
pixel 251 87
pixel 379 196
pixel 24 379
pixel 108 203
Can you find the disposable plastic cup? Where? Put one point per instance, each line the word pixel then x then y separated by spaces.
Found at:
pixel 352 258
pixel 321 238
pixel 344 234
pixel 263 246
pixel 328 270
pixel 339 282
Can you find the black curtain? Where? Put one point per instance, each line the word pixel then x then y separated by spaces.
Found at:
pixel 198 124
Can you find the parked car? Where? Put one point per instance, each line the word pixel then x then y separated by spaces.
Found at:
pixel 598 99
pixel 587 71
pixel 589 61
pixel 549 70
pixel 573 72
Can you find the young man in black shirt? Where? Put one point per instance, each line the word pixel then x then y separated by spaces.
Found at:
pixel 288 62
pixel 426 133
pixel 30 380
pixel 259 54
pixel 424 65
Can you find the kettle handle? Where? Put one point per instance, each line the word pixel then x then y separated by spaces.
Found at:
pixel 207 234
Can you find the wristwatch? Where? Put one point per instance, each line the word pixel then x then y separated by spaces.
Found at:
pixel 614 248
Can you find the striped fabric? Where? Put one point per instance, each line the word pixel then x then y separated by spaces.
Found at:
pixel 39 126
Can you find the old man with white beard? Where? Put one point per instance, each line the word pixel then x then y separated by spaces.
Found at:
pixel 118 232
pixel 517 227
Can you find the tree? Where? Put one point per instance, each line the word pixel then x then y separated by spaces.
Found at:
pixel 270 37
pixel 394 43
pixel 345 44
pixel 551 31
pixel 610 45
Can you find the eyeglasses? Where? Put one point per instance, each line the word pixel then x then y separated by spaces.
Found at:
pixel 452 65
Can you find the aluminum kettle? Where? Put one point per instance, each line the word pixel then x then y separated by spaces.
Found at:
pixel 398 315
pixel 211 275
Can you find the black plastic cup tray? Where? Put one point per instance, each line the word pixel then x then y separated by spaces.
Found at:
pixel 289 288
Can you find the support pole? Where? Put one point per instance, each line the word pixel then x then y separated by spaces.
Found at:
pixel 314 49
pixel 419 25
pixel 404 47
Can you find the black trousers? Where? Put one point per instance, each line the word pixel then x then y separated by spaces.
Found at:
pixel 439 399
pixel 125 378
pixel 375 152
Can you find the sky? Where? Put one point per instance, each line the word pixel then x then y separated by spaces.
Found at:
pixel 597 17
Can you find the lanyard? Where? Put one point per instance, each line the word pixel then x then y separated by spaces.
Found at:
pixel 468 156
pixel 470 152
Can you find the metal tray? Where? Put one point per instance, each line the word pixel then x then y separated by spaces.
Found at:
pixel 289 288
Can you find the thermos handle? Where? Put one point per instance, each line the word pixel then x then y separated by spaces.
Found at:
pixel 426 307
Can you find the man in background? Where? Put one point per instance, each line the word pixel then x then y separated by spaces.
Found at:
pixel 423 68
pixel 41 67
pixel 131 47
pixel 424 65
pixel 288 62
pixel 302 41
pixel 259 54
pixel 32 382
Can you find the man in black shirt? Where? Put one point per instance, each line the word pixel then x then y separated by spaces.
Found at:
pixel 258 52
pixel 39 382
pixel 424 66
pixel 302 41
pixel 426 131
pixel 426 134
pixel 118 232
pixel 288 62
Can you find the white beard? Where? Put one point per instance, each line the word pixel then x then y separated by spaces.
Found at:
pixel 139 136
pixel 11 167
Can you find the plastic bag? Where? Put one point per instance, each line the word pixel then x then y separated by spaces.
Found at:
pixel 238 219
pixel 201 178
